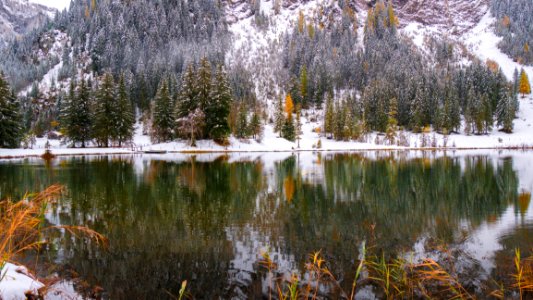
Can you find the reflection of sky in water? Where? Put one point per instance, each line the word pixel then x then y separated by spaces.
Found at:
pixel 252 237
pixel 482 242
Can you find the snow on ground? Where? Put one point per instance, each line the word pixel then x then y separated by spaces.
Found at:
pixel 483 42
pixel 271 142
pixel 16 281
pixel 256 43
pixel 61 40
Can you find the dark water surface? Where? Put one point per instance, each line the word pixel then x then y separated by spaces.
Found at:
pixel 206 219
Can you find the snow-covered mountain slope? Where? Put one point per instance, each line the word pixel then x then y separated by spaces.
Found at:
pixel 18 17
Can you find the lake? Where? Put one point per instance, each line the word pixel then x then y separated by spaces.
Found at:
pixel 208 218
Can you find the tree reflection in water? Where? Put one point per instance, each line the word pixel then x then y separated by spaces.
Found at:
pixel 206 220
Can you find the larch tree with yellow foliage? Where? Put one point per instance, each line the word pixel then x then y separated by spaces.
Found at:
pixel 288 130
pixel 524 86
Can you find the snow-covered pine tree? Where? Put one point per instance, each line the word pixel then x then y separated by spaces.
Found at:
pixel 76 115
pixel 241 130
pixel 417 115
pixel 10 117
pixel 303 86
pixel 505 112
pixel 329 115
pixel 204 83
pixel 125 115
pixel 187 98
pixel 83 113
pixel 298 128
pixel 105 112
pixel 392 124
pixel 288 131
pixel 163 118
pixel 67 114
pixel 279 117
pixel 218 107
pixel 255 125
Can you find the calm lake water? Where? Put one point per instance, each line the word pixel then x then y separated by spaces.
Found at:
pixel 207 218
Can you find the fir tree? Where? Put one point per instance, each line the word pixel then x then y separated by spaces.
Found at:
pixel 77 118
pixel 255 126
pixel 298 128
pixel 524 87
pixel 417 122
pixel 204 84
pixel 279 117
pixel 187 98
pixel 505 112
pixel 125 115
pixel 10 117
pixel 303 85
pixel 329 116
pixel 162 118
pixel 392 124
pixel 106 112
pixel 288 131
pixel 241 130
pixel 218 108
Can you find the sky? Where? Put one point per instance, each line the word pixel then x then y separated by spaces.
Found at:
pixel 59 4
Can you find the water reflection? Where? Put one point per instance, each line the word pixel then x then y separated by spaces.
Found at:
pixel 207 218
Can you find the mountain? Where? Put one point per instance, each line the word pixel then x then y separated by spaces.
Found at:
pixel 414 56
pixel 18 17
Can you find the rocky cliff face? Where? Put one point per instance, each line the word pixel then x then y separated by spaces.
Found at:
pixel 453 15
pixel 20 16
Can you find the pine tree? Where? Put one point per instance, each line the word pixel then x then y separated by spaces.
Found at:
pixel 303 85
pixel 279 117
pixel 106 112
pixel 125 115
pixel 10 117
pixel 255 125
pixel 505 113
pixel 218 108
pixel 525 87
pixel 329 115
pixel 187 98
pixel 162 118
pixel 83 115
pixel 204 84
pixel 77 118
pixel 392 124
pixel 338 127
pixel 241 130
pixel 288 131
pixel 417 115
pixel 298 129
pixel 67 114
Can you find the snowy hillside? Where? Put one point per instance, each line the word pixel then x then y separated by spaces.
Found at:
pixel 259 35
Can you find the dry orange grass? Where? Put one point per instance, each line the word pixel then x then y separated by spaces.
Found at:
pixel 21 224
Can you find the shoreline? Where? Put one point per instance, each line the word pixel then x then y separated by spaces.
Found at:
pixel 111 151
